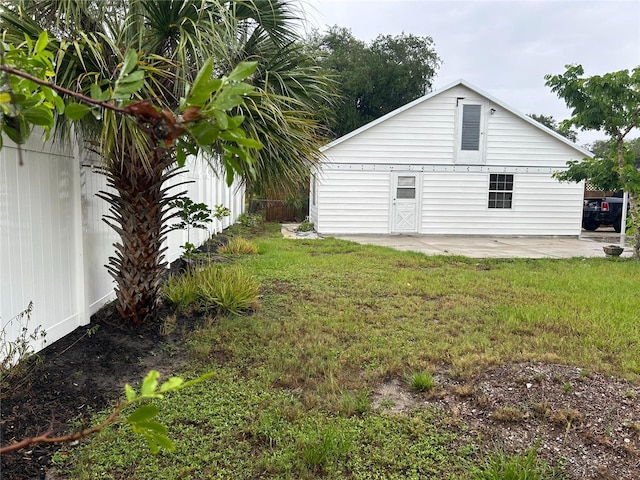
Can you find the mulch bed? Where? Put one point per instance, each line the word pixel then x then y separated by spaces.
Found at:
pixel 78 376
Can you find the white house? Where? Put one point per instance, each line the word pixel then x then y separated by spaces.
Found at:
pixel 456 161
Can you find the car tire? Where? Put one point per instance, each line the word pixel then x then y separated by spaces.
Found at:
pixel 617 225
pixel 590 225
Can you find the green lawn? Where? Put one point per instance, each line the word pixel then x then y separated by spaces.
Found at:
pixel 291 394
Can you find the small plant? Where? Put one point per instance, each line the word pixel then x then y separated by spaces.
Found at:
pixel 251 220
pixel 306 226
pixel 508 414
pixel 182 291
pixel 357 403
pixel 422 382
pixel 220 212
pixel 319 448
pixel 227 289
pixel 14 354
pixel 239 246
pixel 191 215
pixel 223 289
pixel 567 387
pixel 566 417
pixel 526 466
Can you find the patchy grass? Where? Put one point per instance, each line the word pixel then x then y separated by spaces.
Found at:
pixel 291 396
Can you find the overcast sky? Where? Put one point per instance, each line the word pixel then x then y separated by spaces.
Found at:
pixel 503 47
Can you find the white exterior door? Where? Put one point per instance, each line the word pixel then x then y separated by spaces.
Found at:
pixel 405 201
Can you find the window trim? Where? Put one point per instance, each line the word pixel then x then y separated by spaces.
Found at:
pixel 472 157
pixel 498 183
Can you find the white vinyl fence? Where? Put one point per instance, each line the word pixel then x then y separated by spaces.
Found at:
pixel 54 244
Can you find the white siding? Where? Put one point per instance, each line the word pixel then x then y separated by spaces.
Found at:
pixel 54 244
pixel 350 202
pixel 456 203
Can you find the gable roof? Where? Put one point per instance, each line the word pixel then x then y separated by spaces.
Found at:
pixel 464 83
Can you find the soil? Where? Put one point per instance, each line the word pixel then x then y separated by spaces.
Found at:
pixel 587 422
pixel 79 375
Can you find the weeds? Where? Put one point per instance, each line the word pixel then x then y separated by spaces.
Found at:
pixel 239 246
pixel 15 354
pixel 508 414
pixel 422 382
pixel 526 466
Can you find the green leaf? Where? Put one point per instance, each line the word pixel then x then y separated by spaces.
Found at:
pixel 181 155
pixel 128 85
pixel 249 142
pixel 205 133
pixel 222 119
pixel 59 103
pixel 236 121
pixel 171 385
pixel 242 71
pixel 133 77
pixel 39 115
pixel 129 392
pixel 154 427
pixel 130 61
pixel 43 41
pixel 76 111
pixel 164 442
pixel 153 446
pixel 150 383
pixel 195 381
pixel 143 414
pixel 14 134
pixel 203 77
pixel 95 91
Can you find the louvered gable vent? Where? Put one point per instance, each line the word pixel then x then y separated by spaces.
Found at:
pixel 471 127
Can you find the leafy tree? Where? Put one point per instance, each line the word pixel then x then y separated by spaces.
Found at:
pixel 374 79
pixel 550 122
pixel 610 103
pixel 602 148
pixel 140 151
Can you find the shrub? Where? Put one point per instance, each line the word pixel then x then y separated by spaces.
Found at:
pixel 223 289
pixel 305 226
pixel 227 289
pixel 239 246
pixel 250 220
pixel 182 291
pixel 422 382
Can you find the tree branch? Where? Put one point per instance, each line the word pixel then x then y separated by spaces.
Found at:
pixel 45 438
pixel 59 89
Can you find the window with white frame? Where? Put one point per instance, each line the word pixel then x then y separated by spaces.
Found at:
pixel 500 190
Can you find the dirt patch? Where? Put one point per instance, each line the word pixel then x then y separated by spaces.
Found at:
pixel 78 376
pixel 585 421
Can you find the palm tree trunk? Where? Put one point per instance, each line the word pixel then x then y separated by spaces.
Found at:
pixel 137 213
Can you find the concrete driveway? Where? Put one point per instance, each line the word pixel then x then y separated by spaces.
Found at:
pixel 588 245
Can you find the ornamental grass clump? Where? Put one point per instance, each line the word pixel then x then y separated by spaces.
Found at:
pixel 223 289
pixel 239 246
pixel 228 289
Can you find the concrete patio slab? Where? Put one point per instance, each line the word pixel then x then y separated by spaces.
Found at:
pixel 587 245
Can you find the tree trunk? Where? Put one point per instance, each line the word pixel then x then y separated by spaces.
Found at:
pixel 633 201
pixel 137 213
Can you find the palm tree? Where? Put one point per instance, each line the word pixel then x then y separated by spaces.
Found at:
pixel 175 38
